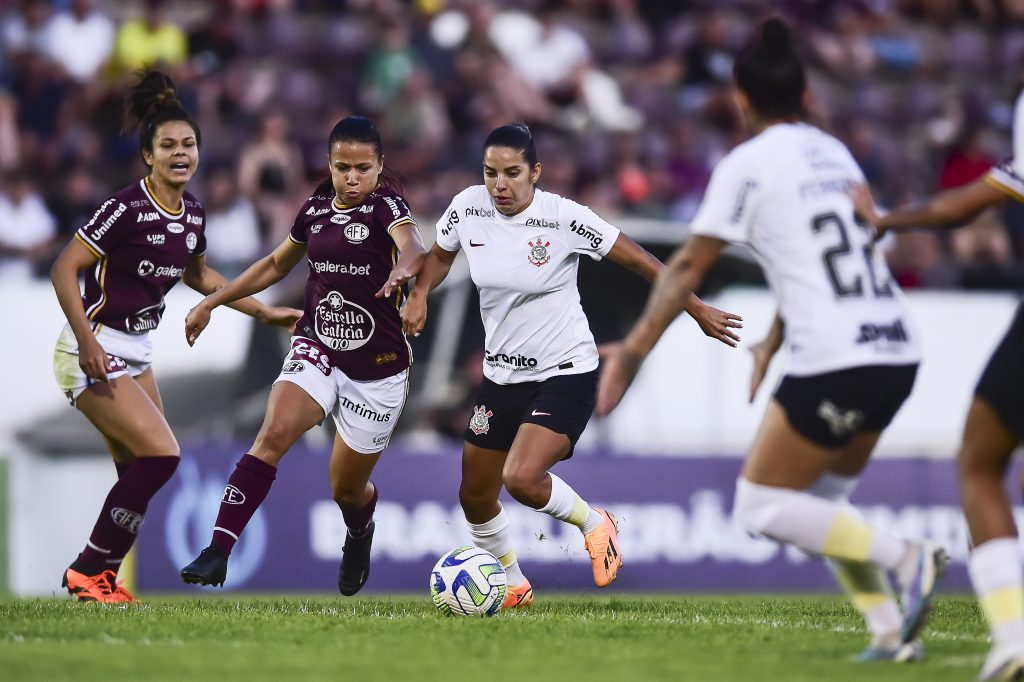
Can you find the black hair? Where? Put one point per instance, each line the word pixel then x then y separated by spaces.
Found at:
pixel 514 136
pixel 151 101
pixel 770 73
pixel 362 129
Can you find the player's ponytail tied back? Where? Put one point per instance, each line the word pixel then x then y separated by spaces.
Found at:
pixel 770 72
pixel 152 100
pixel 514 136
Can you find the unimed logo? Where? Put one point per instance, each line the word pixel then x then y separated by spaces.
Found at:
pixel 232 495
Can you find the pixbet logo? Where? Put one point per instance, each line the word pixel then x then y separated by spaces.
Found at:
pixel 480 212
pixel 542 222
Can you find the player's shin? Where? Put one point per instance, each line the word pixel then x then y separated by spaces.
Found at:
pixel 244 493
pixel 123 512
pixel 496 538
pixel 998 579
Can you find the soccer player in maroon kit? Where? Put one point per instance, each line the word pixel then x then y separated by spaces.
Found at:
pixel 349 358
pixel 137 246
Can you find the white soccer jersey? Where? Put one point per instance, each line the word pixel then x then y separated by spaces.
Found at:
pixel 1009 176
pixel 784 193
pixel 525 270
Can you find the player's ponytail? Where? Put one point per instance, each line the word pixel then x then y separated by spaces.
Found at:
pixel 514 136
pixel 152 100
pixel 770 73
pixel 361 129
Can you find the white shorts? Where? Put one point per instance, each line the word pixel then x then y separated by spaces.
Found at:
pixel 130 354
pixel 366 412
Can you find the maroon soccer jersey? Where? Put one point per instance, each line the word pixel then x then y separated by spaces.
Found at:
pixel 143 249
pixel 351 254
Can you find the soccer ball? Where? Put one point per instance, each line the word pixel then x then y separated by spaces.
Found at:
pixel 468 581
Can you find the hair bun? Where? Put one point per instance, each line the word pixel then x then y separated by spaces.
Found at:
pixel 522 126
pixel 776 39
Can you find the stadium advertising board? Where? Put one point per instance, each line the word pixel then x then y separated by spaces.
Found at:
pixel 676 531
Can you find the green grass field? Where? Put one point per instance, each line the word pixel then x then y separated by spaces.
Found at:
pixel 627 639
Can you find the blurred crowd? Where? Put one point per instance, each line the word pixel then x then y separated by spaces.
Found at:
pixel 629 101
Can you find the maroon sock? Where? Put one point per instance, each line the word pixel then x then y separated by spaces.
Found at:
pixel 358 519
pixel 123 545
pixel 123 511
pixel 244 493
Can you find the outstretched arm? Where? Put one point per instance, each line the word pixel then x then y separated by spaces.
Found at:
pixel 435 268
pixel 951 208
pixel 410 260
pixel 257 277
pixel 712 321
pixel 684 273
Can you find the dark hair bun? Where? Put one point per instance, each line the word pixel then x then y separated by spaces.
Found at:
pixel 151 92
pixel 525 128
pixel 775 40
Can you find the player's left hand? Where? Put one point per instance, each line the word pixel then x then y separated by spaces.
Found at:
pixel 399 276
pixel 618 369
pixel 864 208
pixel 283 316
pixel 718 324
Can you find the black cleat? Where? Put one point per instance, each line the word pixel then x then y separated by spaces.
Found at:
pixel 210 568
pixel 355 565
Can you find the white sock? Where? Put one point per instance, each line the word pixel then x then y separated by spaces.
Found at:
pixel 832 529
pixel 865 583
pixel 495 537
pixel 998 579
pixel 566 505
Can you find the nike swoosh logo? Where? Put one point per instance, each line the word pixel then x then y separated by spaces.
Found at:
pixel 472 243
pixel 535 413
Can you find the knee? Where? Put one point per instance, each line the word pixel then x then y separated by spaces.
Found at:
pixel 157 445
pixel 756 506
pixel 347 497
pixel 274 439
pixel 525 485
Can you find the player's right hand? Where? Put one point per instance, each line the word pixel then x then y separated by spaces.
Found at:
pixel 93 359
pixel 414 315
pixel 196 321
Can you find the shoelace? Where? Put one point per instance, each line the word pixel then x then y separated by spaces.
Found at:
pixel 115 587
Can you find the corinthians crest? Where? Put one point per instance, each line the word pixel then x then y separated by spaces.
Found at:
pixel 538 252
pixel 480 422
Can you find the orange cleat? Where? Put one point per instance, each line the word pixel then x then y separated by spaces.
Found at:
pixel 520 595
pixel 603 545
pixel 119 594
pixel 89 587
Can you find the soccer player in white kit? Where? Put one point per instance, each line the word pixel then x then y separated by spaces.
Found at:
pixel 853 352
pixel 540 360
pixel 995 420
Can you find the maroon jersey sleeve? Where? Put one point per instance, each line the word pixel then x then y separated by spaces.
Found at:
pixel 299 233
pixel 393 211
pixel 107 229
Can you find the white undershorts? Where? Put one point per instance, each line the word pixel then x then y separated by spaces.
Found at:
pixel 366 412
pixel 130 354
